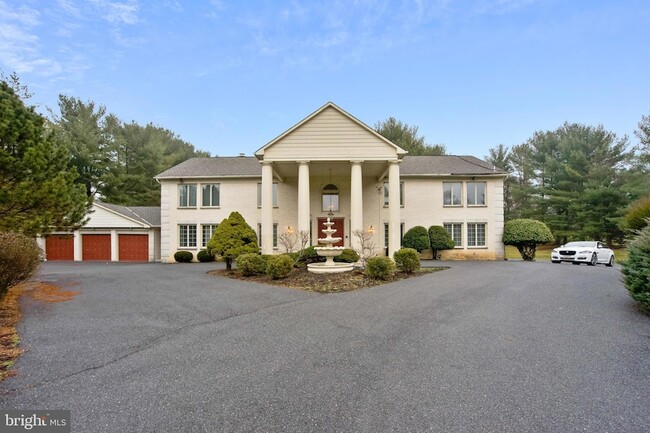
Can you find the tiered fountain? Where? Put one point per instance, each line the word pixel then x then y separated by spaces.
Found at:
pixel 329 251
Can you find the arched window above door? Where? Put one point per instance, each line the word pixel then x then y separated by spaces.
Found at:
pixel 330 198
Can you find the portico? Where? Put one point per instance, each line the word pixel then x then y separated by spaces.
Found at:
pixel 330 142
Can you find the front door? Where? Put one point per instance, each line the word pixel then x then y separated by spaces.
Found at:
pixel 339 226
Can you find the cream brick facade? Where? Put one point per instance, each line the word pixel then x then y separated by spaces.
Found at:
pixel 332 147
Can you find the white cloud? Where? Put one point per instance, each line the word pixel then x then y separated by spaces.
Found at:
pixel 117 12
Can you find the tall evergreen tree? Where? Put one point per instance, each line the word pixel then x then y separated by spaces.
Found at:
pixel 406 136
pixel 38 192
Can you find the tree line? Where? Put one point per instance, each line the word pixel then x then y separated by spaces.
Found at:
pixel 578 179
pixel 52 168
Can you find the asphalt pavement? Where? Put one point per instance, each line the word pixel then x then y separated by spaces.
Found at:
pixel 480 347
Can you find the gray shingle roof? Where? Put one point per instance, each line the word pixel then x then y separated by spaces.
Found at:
pixel 250 166
pixel 149 215
pixel 216 166
pixel 447 164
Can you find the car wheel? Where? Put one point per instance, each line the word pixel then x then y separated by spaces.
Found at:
pixel 594 260
pixel 611 261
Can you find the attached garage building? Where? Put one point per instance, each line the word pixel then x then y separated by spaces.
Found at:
pixel 113 233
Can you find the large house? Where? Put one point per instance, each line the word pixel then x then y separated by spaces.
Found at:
pixel 330 164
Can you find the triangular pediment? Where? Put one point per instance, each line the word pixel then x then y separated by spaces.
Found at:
pixel 330 133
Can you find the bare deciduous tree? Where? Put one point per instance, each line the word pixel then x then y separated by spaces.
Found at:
pixel 365 246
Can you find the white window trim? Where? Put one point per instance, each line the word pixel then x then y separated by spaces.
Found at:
pixel 452 197
pixel 477 247
pixel 275 235
pixel 178 195
pixel 462 234
pixel 401 194
pixel 202 192
pixel 467 194
pixel 207 225
pixel 275 195
pixel 196 234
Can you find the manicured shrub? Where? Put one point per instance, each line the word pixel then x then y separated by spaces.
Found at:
pixel 183 256
pixel 204 256
pixel 526 234
pixel 440 239
pixel 309 255
pixel 19 259
pixel 232 238
pixel 347 256
pixel 252 264
pixel 279 266
pixel 637 269
pixel 407 260
pixel 416 238
pixel 380 268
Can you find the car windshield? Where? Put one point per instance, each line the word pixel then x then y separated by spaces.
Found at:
pixel 581 244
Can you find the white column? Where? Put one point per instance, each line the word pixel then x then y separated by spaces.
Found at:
pixel 356 202
pixel 78 252
pixel 267 208
pixel 114 247
pixel 303 196
pixel 393 208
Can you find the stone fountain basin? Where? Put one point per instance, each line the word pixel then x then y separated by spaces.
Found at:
pixel 328 251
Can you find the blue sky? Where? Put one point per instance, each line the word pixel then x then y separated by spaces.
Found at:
pixel 229 76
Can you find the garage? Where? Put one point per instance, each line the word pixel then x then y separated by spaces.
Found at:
pixel 59 247
pixel 133 248
pixel 96 247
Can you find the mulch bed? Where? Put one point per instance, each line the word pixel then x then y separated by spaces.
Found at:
pixel 301 279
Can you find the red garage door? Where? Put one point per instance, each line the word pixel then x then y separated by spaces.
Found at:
pixel 96 247
pixel 134 248
pixel 59 247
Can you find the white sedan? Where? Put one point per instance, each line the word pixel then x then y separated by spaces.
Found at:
pixel 590 252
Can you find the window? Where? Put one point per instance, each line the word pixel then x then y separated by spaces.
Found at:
pixel 275 194
pixel 187 236
pixel 207 231
pixel 401 194
pixel 387 234
pixel 475 193
pixel 452 193
pixel 330 200
pixel 211 195
pixel 275 235
pixel 475 234
pixel 455 230
pixel 187 195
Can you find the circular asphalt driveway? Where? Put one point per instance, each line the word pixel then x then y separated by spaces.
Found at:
pixel 482 346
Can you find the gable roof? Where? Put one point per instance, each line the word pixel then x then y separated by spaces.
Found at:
pixel 259 153
pixel 447 165
pixel 149 215
pixel 235 166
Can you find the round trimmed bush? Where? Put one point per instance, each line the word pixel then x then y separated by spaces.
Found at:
pixel 416 238
pixel 526 234
pixel 380 268
pixel 407 260
pixel 19 259
pixel 347 256
pixel 204 256
pixel 637 269
pixel 183 256
pixel 440 239
pixel 279 266
pixel 252 264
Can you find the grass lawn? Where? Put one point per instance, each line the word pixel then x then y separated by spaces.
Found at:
pixel 544 253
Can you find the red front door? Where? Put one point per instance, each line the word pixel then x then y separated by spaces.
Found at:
pixel 339 226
